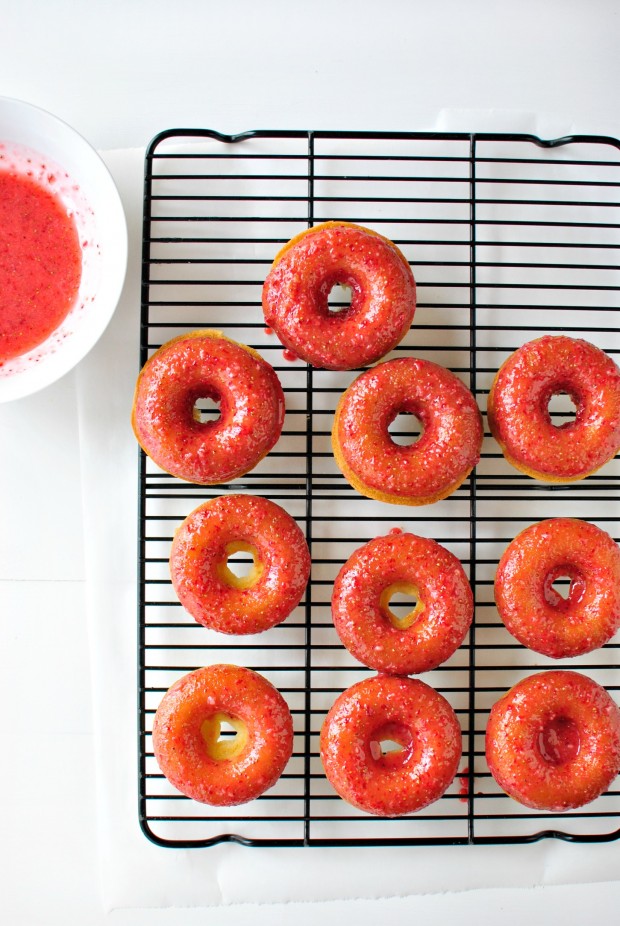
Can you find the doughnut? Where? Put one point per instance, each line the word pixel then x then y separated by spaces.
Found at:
pixel 384 709
pixel 553 741
pixel 296 291
pixel 187 726
pixel 425 637
pixel 211 592
pixel 437 463
pixel 206 365
pixel 531 608
pixel 518 409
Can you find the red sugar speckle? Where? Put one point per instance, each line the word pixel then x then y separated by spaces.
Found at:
pixel 464 784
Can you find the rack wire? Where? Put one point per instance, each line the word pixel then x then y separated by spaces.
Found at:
pixel 509 237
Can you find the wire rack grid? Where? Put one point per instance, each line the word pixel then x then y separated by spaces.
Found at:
pixel 509 237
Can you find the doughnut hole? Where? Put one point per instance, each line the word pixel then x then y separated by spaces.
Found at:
pixel 339 298
pixel 559 741
pixel 225 736
pixel 555 589
pixel 401 604
pixel 562 408
pixel 391 744
pixel 206 408
pixel 235 570
pixel 405 429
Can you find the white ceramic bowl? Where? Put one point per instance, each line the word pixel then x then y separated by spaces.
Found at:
pixel 58 155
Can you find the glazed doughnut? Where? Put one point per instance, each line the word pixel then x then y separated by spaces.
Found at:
pixel 519 417
pixel 553 741
pixel 205 364
pixel 400 710
pixel 296 291
pixel 211 592
pixel 437 463
pixel 535 613
pixel 430 633
pixel 187 726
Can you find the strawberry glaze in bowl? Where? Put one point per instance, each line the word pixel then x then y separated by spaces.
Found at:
pixel 41 153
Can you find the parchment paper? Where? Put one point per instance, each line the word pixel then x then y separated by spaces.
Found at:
pixel 135 872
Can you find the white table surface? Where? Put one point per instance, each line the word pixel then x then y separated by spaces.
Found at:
pixel 119 72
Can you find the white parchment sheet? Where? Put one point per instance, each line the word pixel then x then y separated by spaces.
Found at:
pixel 138 873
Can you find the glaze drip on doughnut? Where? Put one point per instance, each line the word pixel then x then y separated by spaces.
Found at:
pixel 518 409
pixel 186 735
pixel 413 565
pixel 403 711
pixel 437 463
pixel 296 291
pixel 206 365
pixel 553 741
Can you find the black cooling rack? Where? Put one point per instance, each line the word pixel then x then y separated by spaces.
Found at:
pixel 509 237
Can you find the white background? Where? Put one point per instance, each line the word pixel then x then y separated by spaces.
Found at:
pixel 119 72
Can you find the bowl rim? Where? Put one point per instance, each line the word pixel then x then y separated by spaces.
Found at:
pixel 27 382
